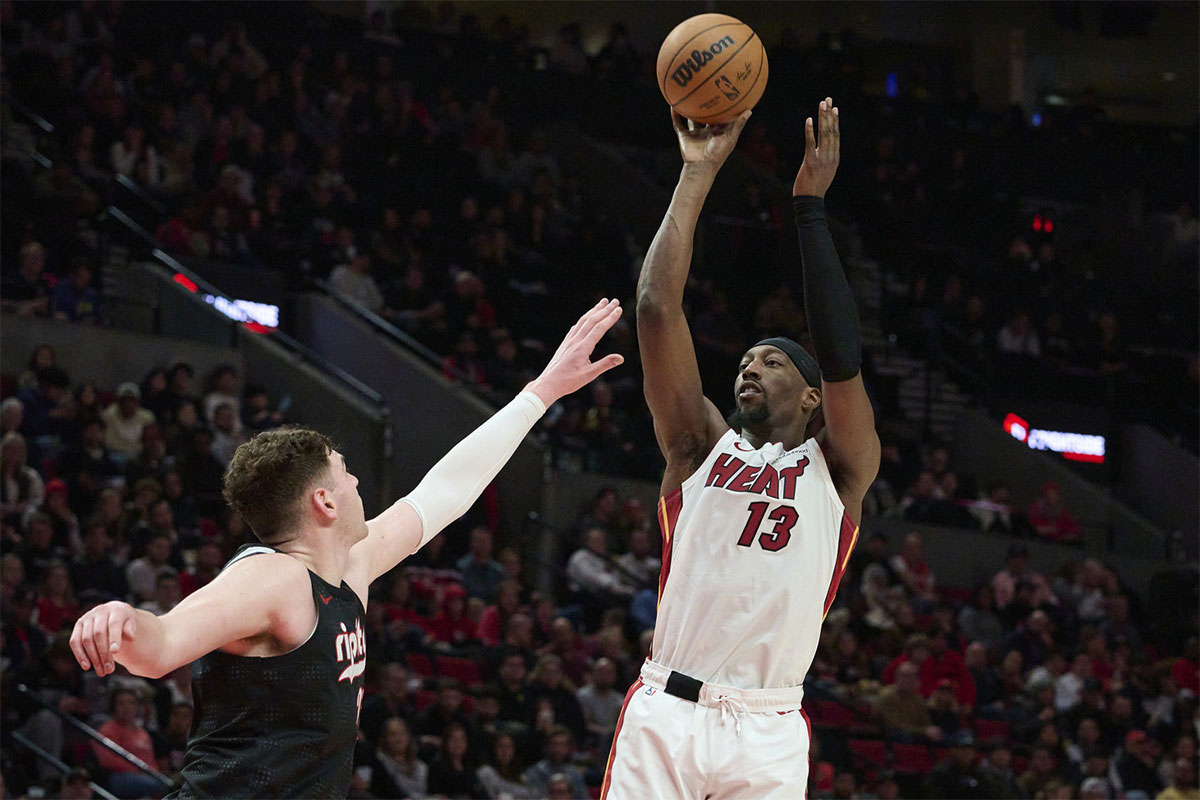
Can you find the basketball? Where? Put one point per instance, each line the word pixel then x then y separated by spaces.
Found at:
pixel 711 68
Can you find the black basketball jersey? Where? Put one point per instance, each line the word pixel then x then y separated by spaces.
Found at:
pixel 282 726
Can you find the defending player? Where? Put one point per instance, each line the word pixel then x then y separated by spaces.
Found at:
pixel 758 520
pixel 277 638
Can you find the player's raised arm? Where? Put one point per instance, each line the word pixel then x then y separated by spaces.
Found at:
pixel 685 424
pixel 849 439
pixel 457 480
pixel 266 595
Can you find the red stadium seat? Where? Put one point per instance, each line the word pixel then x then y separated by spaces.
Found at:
pixel 914 758
pixel 991 729
pixel 830 713
pixel 868 752
pixel 419 663
pixel 594 792
pixel 461 669
pixel 424 699
pixel 957 594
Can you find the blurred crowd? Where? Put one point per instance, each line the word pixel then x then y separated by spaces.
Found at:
pixel 433 200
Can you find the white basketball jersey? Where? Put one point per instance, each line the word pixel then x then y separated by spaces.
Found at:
pixel 754 545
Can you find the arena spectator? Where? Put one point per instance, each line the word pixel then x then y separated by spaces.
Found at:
pixel 45 412
pixel 226 433
pixel 1186 669
pixel 143 572
pixel 556 762
pixel 396 769
pixel 27 291
pixel 124 779
pixel 21 487
pixel 76 298
pixel 494 622
pixel 57 609
pixel 481 573
pixel 593 574
pixel 95 569
pixel 501 776
pixel 452 625
pixel 452 773
pixel 391 700
pixel 901 708
pixel 125 420
pixel 1183 781
pixel 1136 767
pixel 548 684
pixel 166 594
pixel 1051 519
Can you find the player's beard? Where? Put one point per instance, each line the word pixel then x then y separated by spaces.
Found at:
pixel 741 419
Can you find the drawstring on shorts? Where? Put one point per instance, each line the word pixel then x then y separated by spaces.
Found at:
pixel 735 707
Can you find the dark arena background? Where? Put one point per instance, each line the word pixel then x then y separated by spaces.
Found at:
pixel 378 219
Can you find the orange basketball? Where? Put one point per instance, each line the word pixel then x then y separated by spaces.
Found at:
pixel 711 68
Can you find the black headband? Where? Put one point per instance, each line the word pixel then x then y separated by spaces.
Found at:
pixel 799 356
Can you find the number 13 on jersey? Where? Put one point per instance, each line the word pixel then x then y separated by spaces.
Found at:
pixel 778 536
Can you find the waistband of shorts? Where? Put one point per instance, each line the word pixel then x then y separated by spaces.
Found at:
pixel 713 694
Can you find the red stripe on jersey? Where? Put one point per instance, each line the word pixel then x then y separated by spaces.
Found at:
pixel 807 724
pixel 668 515
pixel 617 732
pixel 847 538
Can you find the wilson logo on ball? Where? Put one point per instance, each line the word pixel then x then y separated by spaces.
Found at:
pixel 711 68
pixel 690 66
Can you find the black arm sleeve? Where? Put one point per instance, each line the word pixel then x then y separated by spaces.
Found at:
pixel 832 314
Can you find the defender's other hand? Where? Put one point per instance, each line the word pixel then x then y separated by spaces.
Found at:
pixel 98 634
pixel 821 156
pixel 708 144
pixel 572 367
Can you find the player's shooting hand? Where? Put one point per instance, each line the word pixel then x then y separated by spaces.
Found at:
pixel 98 635
pixel 572 367
pixel 822 152
pixel 708 144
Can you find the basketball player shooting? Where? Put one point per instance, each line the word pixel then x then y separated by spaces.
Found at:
pixel 758 520
pixel 277 638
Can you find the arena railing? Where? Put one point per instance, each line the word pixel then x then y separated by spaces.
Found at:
pixel 58 764
pixel 97 737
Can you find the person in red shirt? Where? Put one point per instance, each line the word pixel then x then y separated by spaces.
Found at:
pixel 495 617
pixel 1186 670
pixel 945 663
pixel 56 606
pixel 452 626
pixel 126 780
pixel 209 561
pixel 1051 519
pixel 935 662
pixel 401 606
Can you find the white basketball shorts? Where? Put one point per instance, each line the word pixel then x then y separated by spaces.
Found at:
pixel 728 743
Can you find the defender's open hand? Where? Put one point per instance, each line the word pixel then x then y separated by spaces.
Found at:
pixel 821 156
pixel 572 367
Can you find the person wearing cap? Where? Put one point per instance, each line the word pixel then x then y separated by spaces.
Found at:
pixel 125 420
pixel 1136 767
pixel 958 775
pixel 759 510
pixel 62 518
pixel 1095 789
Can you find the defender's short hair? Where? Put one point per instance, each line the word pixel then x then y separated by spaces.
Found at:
pixel 270 475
